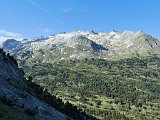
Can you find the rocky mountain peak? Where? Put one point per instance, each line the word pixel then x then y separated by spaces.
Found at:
pixel 89 43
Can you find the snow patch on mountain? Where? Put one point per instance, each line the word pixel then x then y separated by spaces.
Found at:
pixel 89 43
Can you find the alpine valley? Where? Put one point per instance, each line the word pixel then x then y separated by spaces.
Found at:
pixel 110 76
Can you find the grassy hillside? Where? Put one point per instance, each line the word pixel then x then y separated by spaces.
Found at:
pixel 123 89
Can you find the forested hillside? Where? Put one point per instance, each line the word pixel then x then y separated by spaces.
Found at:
pixel 124 89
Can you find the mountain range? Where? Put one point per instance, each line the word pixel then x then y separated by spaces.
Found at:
pixel 85 44
pixel 105 75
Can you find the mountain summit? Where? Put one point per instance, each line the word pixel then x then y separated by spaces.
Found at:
pixel 82 44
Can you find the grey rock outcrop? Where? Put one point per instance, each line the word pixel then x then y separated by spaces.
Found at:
pixel 13 92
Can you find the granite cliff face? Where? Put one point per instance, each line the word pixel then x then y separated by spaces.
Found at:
pixel 13 92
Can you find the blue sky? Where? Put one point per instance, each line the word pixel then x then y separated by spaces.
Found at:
pixel 32 18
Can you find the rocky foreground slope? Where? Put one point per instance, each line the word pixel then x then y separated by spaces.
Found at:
pixel 21 99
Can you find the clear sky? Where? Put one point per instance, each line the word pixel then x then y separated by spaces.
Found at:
pixel 32 18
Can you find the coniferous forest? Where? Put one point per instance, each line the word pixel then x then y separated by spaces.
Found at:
pixel 123 89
